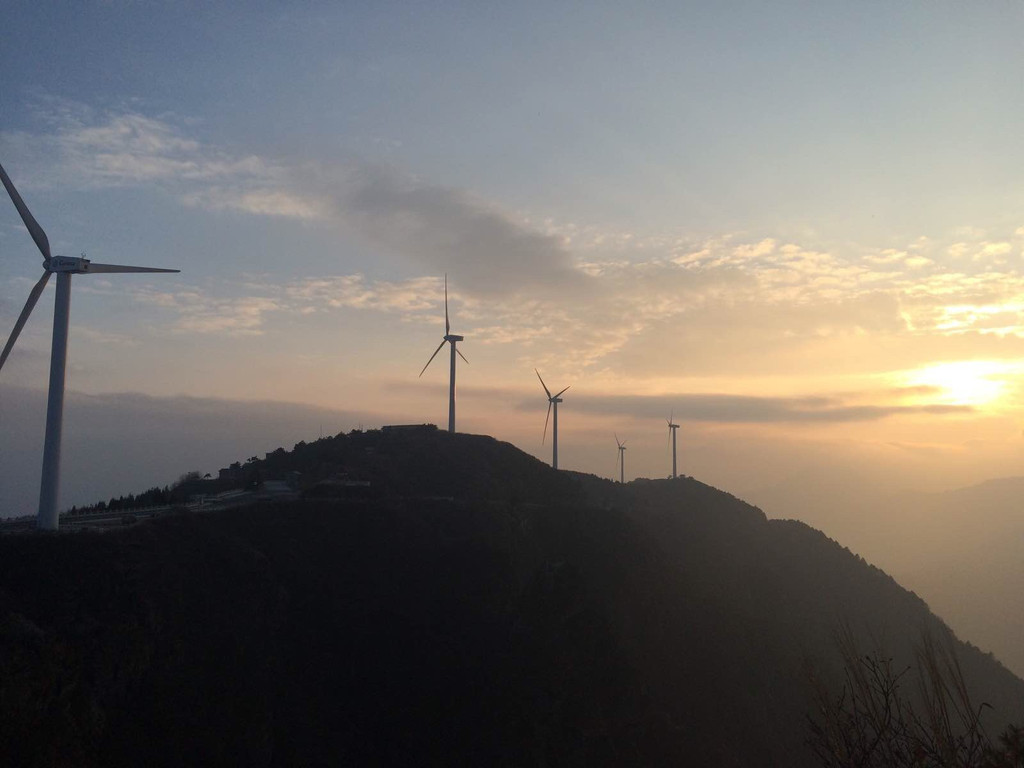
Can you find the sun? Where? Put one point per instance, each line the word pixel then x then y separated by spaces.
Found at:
pixel 968 382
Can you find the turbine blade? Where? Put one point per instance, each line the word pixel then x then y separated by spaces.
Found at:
pixel 617 440
pixel 33 297
pixel 26 216
pixel 94 267
pixel 447 325
pixel 546 390
pixel 562 392
pixel 433 356
pixel 459 353
pixel 544 436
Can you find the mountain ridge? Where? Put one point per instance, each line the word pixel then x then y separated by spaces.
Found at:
pixel 479 606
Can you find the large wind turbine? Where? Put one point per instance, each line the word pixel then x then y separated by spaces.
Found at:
pixel 553 400
pixel 672 433
pixel 622 459
pixel 64 267
pixel 449 338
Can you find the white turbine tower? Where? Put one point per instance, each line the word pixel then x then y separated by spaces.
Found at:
pixel 449 338
pixel 553 400
pixel 64 267
pixel 672 433
pixel 622 459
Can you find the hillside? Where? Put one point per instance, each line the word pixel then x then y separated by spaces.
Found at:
pixel 477 607
pixel 959 549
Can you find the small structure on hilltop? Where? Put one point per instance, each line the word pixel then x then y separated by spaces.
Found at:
pixel 408 428
pixel 232 474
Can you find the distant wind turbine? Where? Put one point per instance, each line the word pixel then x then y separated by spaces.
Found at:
pixel 622 459
pixel 672 433
pixel 65 267
pixel 553 400
pixel 449 338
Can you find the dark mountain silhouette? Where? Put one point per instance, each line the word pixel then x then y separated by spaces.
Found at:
pixel 470 606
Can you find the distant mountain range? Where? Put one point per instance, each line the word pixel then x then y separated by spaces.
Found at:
pixel 960 550
pixel 469 606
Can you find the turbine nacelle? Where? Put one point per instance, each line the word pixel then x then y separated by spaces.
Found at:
pixel 453 337
pixel 75 265
pixel 79 265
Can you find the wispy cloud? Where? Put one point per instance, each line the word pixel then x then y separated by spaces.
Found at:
pixel 199 312
pixel 846 407
pixel 86 148
pixel 754 410
pixel 567 294
pixel 258 202
pixel 355 292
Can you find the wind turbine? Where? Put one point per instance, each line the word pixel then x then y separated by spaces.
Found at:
pixel 552 401
pixel 64 267
pixel 672 433
pixel 449 338
pixel 622 459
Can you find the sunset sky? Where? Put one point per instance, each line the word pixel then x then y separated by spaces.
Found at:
pixel 799 227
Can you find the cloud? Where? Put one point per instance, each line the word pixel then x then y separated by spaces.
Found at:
pixel 436 228
pixel 753 251
pixel 995 249
pixel 199 312
pixel 644 316
pixel 86 148
pixel 567 294
pixel 442 229
pixel 886 257
pixel 716 408
pixel 257 202
pixel 740 409
pixel 356 292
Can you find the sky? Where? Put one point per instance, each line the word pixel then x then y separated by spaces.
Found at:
pixel 794 227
